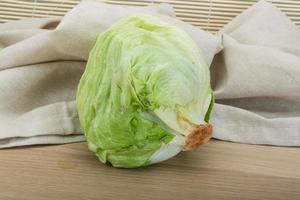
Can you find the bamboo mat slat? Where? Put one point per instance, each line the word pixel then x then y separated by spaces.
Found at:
pixel 211 15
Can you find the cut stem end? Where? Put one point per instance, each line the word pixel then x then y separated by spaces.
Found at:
pixel 198 136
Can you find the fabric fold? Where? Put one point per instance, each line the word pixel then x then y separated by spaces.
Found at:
pixel 256 79
pixel 42 61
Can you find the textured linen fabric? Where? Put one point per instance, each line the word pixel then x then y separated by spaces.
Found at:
pixel 42 61
pixel 256 79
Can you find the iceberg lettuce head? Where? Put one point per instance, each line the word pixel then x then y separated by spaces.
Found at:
pixel 145 94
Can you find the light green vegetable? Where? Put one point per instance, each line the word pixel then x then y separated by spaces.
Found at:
pixel 145 94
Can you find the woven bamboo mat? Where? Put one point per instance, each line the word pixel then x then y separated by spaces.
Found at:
pixel 207 14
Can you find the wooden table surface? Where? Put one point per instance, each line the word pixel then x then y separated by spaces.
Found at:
pixel 218 170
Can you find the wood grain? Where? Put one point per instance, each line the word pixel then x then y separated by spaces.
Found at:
pixel 218 170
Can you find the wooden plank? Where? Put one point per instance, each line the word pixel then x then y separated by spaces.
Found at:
pixel 218 170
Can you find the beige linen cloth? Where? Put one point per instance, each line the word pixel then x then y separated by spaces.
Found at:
pixel 256 79
pixel 42 60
